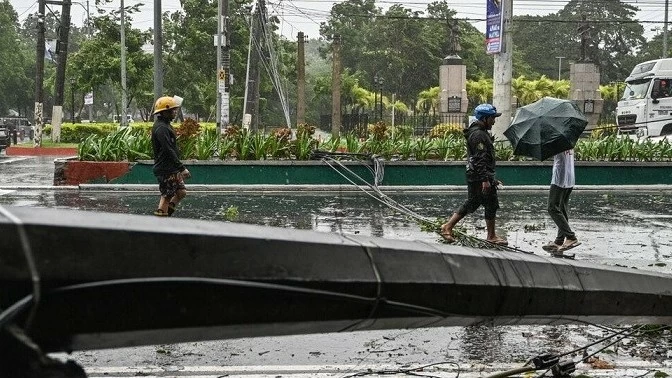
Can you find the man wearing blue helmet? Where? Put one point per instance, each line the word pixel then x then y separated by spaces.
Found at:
pixel 481 182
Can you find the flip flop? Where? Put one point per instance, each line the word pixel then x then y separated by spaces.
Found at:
pixel 563 248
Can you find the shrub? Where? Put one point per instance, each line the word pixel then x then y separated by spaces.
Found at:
pixel 442 129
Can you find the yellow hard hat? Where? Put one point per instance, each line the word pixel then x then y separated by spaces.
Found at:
pixel 165 103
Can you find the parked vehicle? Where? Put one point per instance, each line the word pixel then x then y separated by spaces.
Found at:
pixel 4 138
pixel 645 110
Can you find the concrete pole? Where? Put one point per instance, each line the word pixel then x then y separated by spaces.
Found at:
pixel 124 123
pixel 665 30
pixel 218 110
pixel 301 81
pixel 336 88
pixel 559 58
pixel 39 74
pixel 226 64
pixel 502 75
pixel 59 87
pixel 158 51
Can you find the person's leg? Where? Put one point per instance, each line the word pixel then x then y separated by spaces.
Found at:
pixel 555 211
pixel 469 206
pixel 563 216
pixel 162 208
pixel 491 204
pixel 180 193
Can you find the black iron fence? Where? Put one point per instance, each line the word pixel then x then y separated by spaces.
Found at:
pixel 422 124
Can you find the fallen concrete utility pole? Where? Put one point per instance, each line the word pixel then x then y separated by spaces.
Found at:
pixel 113 280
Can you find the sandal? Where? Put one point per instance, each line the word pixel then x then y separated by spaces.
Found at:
pixel 160 213
pixel 569 244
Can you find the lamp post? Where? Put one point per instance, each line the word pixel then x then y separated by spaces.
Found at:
pixel 378 83
pixel 559 58
pixel 72 99
pixel 375 96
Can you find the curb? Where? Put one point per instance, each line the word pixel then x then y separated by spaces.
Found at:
pixel 322 188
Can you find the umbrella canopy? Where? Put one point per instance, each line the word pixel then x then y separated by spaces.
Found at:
pixel 545 128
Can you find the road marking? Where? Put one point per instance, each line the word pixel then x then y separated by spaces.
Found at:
pixel 3 192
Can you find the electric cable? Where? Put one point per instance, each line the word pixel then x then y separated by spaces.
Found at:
pixel 327 158
pixel 30 261
pixel 409 371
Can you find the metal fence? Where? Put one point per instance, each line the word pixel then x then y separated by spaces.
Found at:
pixel 422 124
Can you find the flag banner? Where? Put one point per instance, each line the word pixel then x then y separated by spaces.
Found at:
pixel 493 27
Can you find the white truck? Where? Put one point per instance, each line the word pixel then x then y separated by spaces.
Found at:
pixel 645 110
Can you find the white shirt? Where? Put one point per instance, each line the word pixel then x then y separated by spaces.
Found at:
pixel 563 169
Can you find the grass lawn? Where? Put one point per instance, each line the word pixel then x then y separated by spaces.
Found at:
pixel 46 144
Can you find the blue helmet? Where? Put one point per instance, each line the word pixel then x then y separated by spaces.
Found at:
pixel 485 110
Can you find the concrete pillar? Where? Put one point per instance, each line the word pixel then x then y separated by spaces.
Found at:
pixel 584 90
pixel 453 101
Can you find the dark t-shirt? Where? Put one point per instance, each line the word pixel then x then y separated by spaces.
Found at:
pixel 164 144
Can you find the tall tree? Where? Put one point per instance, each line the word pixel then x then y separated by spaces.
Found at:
pixel 98 63
pixel 615 37
pixel 14 63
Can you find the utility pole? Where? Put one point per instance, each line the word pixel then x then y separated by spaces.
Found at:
pixel 124 123
pixel 254 75
pixel 158 51
pixel 247 117
pixel 665 29
pixel 559 58
pixel 502 74
pixel 223 64
pixel 59 87
pixel 39 73
pixel 336 88
pixel 301 81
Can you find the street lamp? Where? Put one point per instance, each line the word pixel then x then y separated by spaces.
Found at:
pixel 72 100
pixel 375 96
pixel 559 58
pixel 378 84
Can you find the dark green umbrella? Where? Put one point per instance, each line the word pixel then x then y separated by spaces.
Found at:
pixel 545 128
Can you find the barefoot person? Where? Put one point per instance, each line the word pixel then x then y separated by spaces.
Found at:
pixel 562 184
pixel 168 169
pixel 481 182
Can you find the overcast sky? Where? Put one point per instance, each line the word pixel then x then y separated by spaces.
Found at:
pixel 306 15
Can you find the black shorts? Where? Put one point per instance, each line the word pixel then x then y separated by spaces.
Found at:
pixel 170 184
pixel 476 198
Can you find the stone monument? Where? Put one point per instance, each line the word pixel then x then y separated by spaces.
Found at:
pixel 453 100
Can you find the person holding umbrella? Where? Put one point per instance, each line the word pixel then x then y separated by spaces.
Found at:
pixel 481 182
pixel 550 127
pixel 562 183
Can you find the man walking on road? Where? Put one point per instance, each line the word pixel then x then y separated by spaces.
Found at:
pixel 562 184
pixel 168 169
pixel 481 182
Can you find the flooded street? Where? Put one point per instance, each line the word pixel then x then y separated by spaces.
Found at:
pixel 625 228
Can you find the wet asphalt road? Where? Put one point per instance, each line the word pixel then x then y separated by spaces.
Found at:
pixel 642 229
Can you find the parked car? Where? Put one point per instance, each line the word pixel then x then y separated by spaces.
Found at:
pixel 4 138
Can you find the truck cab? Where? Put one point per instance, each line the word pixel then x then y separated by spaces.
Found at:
pixel 645 109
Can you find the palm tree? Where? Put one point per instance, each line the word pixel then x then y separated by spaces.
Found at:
pixel 479 90
pixel 428 99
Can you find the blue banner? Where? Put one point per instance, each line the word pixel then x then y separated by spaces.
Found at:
pixel 493 27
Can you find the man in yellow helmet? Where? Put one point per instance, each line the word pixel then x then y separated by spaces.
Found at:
pixel 168 169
